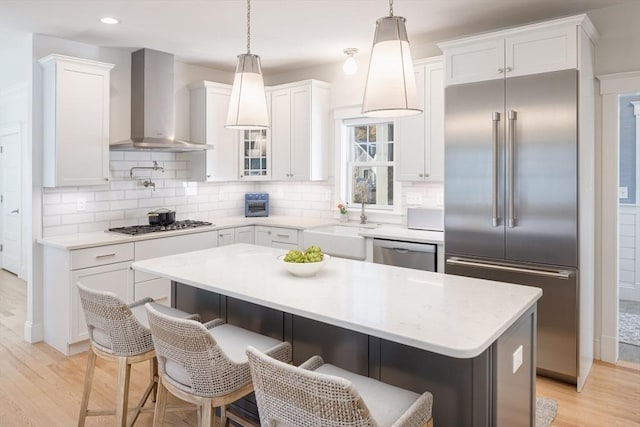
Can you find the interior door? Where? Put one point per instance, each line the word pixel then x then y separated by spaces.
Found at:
pixel 542 136
pixel 10 158
pixel 474 169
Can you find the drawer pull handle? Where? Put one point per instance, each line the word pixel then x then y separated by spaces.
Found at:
pixel 286 236
pixel 105 256
pixel 165 298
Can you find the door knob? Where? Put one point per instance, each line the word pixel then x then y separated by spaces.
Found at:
pixel 15 211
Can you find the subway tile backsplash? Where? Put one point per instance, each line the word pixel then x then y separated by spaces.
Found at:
pixel 126 201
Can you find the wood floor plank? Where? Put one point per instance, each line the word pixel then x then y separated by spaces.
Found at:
pixel 41 387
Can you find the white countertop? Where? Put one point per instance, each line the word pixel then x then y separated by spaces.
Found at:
pixel 450 315
pixel 102 238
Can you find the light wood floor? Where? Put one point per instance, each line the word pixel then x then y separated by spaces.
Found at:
pixel 41 387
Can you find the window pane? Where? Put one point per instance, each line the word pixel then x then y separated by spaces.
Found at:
pixel 372 133
pixel 375 183
pixel 360 133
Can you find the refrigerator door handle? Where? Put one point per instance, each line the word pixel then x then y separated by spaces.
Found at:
pixel 511 145
pixel 558 274
pixel 494 199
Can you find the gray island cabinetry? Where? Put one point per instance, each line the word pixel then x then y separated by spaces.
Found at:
pixel 468 341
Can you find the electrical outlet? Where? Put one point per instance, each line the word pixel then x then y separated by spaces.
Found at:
pixel 623 192
pixel 81 204
pixel 517 359
pixel 190 188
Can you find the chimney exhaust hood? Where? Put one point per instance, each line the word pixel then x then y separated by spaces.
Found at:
pixel 153 106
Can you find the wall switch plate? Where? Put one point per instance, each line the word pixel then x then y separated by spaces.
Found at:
pixel 190 188
pixel 517 359
pixel 81 204
pixel 414 198
pixel 623 192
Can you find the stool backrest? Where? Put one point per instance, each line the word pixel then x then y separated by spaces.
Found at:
pixel 190 359
pixel 112 326
pixel 296 396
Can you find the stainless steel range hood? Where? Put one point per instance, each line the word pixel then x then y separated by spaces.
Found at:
pixel 153 106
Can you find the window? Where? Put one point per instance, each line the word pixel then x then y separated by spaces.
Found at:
pixel 370 170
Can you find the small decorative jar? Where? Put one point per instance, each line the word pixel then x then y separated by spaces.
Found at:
pixel 344 216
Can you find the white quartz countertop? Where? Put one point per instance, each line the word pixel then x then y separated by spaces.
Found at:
pixel 446 314
pixel 102 238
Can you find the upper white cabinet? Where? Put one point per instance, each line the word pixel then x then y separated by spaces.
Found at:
pixel 299 130
pixel 420 138
pixel 209 107
pixel 75 121
pixel 530 49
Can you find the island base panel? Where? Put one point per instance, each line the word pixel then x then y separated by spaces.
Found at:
pixel 477 392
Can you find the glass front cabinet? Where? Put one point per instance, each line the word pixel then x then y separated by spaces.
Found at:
pixel 255 155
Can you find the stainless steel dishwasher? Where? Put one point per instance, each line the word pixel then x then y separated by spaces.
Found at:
pixel 421 256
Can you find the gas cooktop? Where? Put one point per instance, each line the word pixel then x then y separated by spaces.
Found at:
pixel 144 229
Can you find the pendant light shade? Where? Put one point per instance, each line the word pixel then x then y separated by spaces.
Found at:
pixel 390 90
pixel 248 103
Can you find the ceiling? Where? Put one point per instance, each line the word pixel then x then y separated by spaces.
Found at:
pixel 287 34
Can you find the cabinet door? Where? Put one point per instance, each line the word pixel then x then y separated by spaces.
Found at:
pixel 301 132
pixel 116 278
pixel 76 93
pixel 434 122
pixel 245 235
pixel 226 237
pixel 410 142
pixel 209 108
pixel 475 62
pixel 281 134
pixel 263 236
pixel 541 51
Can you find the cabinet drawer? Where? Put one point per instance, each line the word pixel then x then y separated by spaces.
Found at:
pixel 175 245
pixel 159 289
pixel 284 235
pixel 101 255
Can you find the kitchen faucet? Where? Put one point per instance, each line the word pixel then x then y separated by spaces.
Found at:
pixel 362 189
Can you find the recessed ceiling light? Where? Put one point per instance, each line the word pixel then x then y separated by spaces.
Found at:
pixel 109 20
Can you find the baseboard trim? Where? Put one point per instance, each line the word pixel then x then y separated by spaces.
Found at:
pixel 33 332
pixel 609 349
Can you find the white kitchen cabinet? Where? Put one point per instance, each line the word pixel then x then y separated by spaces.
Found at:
pixel 229 236
pixel 299 130
pixel 209 107
pixel 147 285
pixel 420 138
pixel 75 102
pixel 277 237
pixel 530 49
pixel 105 268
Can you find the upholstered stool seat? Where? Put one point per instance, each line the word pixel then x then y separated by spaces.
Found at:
pixel 119 332
pixel 317 393
pixel 206 364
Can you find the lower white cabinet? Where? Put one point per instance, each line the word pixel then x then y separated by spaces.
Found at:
pixel 229 236
pixel 158 288
pixel 277 237
pixel 106 268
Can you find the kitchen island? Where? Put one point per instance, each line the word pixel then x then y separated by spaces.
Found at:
pixel 470 342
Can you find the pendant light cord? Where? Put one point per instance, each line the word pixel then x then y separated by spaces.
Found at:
pixel 390 7
pixel 248 26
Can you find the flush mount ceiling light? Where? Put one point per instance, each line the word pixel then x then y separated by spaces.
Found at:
pixel 248 103
pixel 390 90
pixel 109 20
pixel 350 66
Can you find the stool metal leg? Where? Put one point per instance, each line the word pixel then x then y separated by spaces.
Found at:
pixel 88 381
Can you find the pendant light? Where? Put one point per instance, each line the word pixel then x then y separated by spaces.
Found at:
pixel 390 90
pixel 248 103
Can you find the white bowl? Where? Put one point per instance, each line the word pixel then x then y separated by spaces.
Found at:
pixel 304 269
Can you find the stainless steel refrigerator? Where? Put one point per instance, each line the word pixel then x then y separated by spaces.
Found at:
pixel 511 198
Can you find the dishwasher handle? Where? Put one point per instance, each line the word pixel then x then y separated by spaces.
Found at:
pixel 404 247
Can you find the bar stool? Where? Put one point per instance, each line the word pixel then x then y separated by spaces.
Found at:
pixel 119 332
pixel 206 363
pixel 317 393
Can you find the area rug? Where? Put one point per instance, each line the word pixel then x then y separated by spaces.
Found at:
pixel 629 328
pixel 546 409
